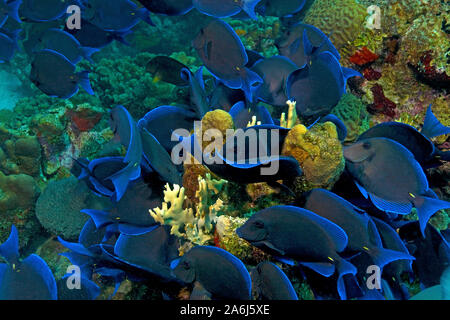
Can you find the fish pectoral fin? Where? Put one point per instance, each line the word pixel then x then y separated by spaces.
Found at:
pixel 272 247
pixel 324 268
pixel 200 293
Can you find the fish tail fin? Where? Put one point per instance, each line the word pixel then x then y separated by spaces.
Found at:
pixel 382 257
pixel 144 14
pixel 9 249
pixel 100 218
pixel 116 274
pixel 121 179
pixel 249 80
pixel 249 8
pixel 432 127
pixel 343 267
pixel 86 53
pixel 83 80
pixel 13 10
pixel 426 207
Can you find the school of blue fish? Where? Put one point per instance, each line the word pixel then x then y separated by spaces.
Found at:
pixel 328 239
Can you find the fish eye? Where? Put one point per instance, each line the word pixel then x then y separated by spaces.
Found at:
pixel 366 145
pixel 186 265
pixel 258 224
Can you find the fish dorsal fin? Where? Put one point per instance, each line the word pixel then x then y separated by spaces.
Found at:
pixel 9 249
pixel 324 268
pixel 432 127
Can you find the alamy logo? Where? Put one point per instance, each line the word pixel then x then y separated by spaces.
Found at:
pixel 374 19
pixel 374 280
pixel 74 280
pixel 246 148
pixel 74 20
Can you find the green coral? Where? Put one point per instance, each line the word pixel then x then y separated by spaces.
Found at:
pixel 352 111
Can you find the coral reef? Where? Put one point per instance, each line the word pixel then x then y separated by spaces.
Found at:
pixel 352 111
pixel 59 205
pixel 194 223
pixel 18 191
pixel 319 153
pixel 341 20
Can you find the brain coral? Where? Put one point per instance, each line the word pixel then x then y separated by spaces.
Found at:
pixel 58 207
pixel 342 20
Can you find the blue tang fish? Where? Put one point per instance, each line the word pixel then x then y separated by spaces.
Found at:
pixel 219 272
pixel 274 71
pixel 432 252
pixel 120 15
pixel 280 8
pixel 126 131
pixel 45 10
pixel 242 115
pixel 88 290
pixel 162 121
pixel 152 251
pixel 318 86
pixel 226 8
pixel 199 99
pixel 91 36
pixel 296 235
pixel 387 173
pixel 96 173
pixel 66 44
pixel 159 159
pixel 8 46
pixel 223 54
pixel 225 98
pixel 269 282
pixel 168 7
pixel 130 214
pixel 27 279
pixel 9 9
pixel 394 270
pixel 55 75
pixel 356 223
pixel 418 143
pixel 302 41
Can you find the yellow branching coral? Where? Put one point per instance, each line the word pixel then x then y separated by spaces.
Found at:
pixel 195 225
pixel 172 212
pixel 253 122
pixel 292 115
